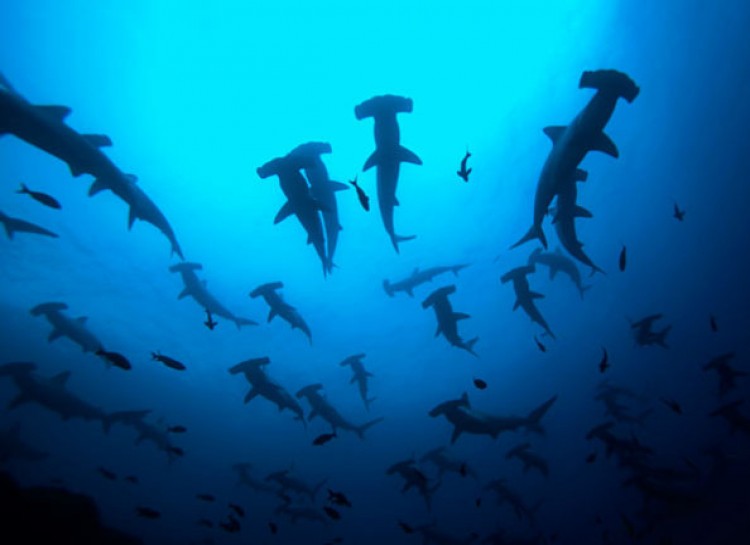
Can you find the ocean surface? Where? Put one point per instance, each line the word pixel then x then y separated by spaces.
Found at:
pixel 649 444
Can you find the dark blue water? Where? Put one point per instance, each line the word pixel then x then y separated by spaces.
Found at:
pixel 196 97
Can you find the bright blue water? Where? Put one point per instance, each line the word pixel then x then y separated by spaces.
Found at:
pixel 196 97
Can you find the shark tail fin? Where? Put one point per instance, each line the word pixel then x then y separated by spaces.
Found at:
pixel 470 346
pixel 534 232
pixel 535 416
pixel 387 287
pixel 395 239
pixel 366 426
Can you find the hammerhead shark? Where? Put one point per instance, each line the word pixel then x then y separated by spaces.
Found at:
pixel 321 407
pixel 17 225
pixel 388 154
pixel 417 278
pixel 281 308
pixel 323 190
pixel 290 483
pixel 65 326
pixel 52 393
pixel 557 262
pixel 414 478
pixel 360 376
pixel 504 494
pixel 524 296
pixel 243 472
pixel 645 335
pixel 528 458
pixel 44 127
pixel 158 434
pixel 261 385
pixel 300 201
pixel 444 463
pixel 197 289
pixel 447 319
pixel 571 143
pixel 467 420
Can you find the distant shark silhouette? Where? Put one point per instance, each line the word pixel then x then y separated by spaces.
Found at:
pixel 321 407
pixel 446 463
pixel 196 289
pixel 467 420
pixel 417 278
pixel 447 319
pixel 414 478
pixel 323 190
pixel 157 434
pixel 17 225
pixel 571 143
pixel 388 154
pixel 263 386
pixel 557 262
pixel 281 308
pixel 360 376
pixel 290 483
pixel 64 326
pixel 13 448
pixel 300 201
pixel 44 127
pixel 246 479
pixel 524 296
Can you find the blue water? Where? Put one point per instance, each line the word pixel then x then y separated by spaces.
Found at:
pixel 196 97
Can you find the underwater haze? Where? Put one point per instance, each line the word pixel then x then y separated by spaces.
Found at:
pixel 406 272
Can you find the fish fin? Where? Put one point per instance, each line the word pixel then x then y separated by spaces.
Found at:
pixel 580 175
pixel 20 399
pixel 581 212
pixel 8 229
pixel 372 160
pixel 461 316
pixel 603 143
pixel 54 335
pixel 271 315
pixel 554 132
pixel 131 217
pixel 60 379
pixel 337 186
pixel 184 293
pixel 252 394
pixel 96 187
pixel 283 213
pixel 58 113
pixel 408 156
pixel 535 295
pixel 517 304
pixel 98 140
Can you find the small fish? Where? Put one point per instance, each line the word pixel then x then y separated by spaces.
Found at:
pixel 591 458
pixel 338 498
pixel 132 479
pixel 205 497
pixel 679 215
pixel 623 258
pixel 273 528
pixel 480 384
pixel 205 523
pixel 478 501
pixel 672 404
pixel 210 323
pixel 147 513
pixel 405 527
pixel 332 513
pixel 237 509
pixel 539 344
pixel 364 200
pixel 169 362
pixel 463 470
pixel 604 362
pixel 176 429
pixel 107 474
pixel 323 438
pixel 714 325
pixel 46 200
pixel 177 451
pixel 463 173
pixel 118 360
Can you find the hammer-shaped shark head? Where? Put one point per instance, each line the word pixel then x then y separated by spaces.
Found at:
pixel 382 105
pixel 453 404
pixel 17 368
pixel 311 149
pixel 439 293
pixel 285 165
pixel 610 81
pixel 309 391
pixel 46 308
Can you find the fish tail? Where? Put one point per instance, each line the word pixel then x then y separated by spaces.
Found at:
pixel 534 232
pixel 23 188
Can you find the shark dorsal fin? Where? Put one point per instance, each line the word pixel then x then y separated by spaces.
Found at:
pixel 58 113
pixel 60 379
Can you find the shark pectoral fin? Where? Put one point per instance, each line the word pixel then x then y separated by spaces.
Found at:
pixel 271 314
pixel 54 335
pixel 535 295
pixel 456 433
pixel 408 156
pixel 252 394
pixel 354 379
pixel 438 330
pixel 96 187
pixel 20 399
pixel 372 160
pixel 131 217
pixel 98 140
pixel 283 213
pixel 604 143
pixel 58 113
pixel 554 132
pixel 581 212
pixel 312 414
pixel 337 186
pixel 184 293
pixel 8 229
pixel 517 304
pixel 552 273
pixel 580 175
pixel 60 379
pixel 461 316
pixel 410 293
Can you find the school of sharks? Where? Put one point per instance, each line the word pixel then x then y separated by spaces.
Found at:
pixel 654 491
